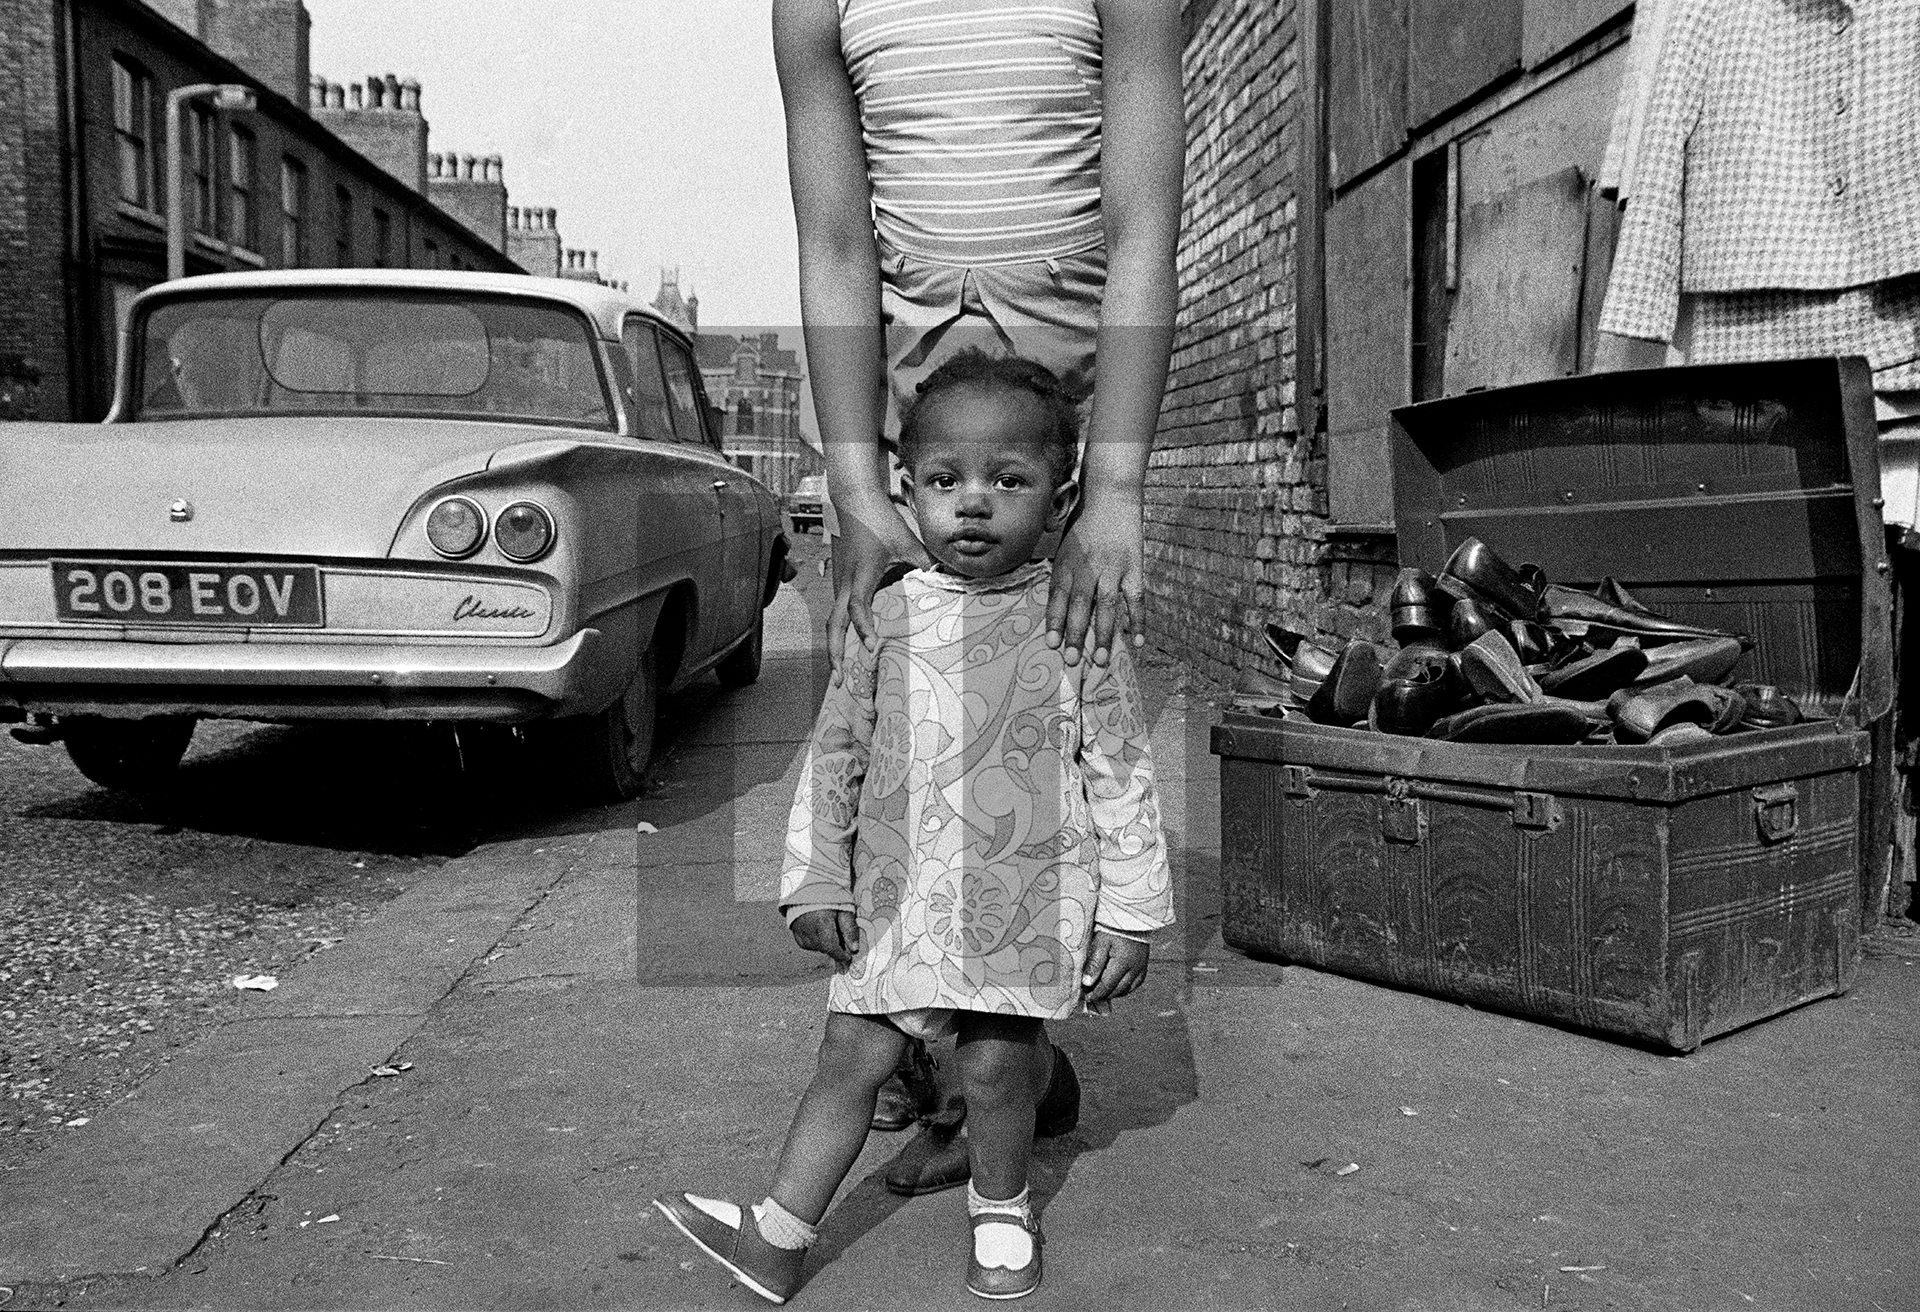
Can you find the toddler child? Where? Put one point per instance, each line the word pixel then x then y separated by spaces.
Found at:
pixel 975 842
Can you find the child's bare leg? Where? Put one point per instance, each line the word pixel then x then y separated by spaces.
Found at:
pixel 857 1054
pixel 1004 1065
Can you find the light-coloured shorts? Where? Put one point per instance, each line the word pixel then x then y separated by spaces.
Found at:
pixel 1047 311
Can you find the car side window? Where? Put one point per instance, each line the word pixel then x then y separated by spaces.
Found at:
pixel 653 416
pixel 683 394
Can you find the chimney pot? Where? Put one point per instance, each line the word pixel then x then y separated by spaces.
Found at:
pixel 336 96
pixel 466 167
pixel 410 95
pixel 393 91
pixel 594 258
pixel 359 94
pixel 318 98
pixel 513 216
pixel 376 93
pixel 553 218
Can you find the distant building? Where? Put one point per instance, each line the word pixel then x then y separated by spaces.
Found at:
pixel 683 310
pixel 533 242
pixel 83 189
pixel 755 385
pixel 473 190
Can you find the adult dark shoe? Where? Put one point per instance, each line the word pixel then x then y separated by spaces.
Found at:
pixel 1493 668
pixel 1539 723
pixel 1467 624
pixel 1283 642
pixel 727 1233
pixel 909 1093
pixel 1767 707
pixel 1312 662
pixel 1474 573
pixel 1254 692
pixel 1001 1282
pixel 1419 609
pixel 1417 687
pixel 1704 660
pixel 934 1159
pixel 1600 616
pixel 1347 694
pixel 1058 1111
pixel 1596 677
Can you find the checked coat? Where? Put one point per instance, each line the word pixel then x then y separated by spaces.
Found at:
pixel 1778 184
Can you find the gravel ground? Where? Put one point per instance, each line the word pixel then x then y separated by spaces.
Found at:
pixel 123 921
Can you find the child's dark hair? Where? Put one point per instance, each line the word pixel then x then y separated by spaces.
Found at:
pixel 973 367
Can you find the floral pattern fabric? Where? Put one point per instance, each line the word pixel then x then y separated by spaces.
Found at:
pixel 977 803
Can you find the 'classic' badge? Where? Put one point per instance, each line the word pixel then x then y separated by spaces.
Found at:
pixel 472 608
pixel 180 511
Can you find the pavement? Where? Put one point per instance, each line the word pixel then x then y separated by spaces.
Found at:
pixel 604 1007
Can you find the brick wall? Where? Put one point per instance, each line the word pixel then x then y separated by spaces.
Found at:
pixel 33 319
pixel 1236 512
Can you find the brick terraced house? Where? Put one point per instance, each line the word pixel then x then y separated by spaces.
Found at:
pixel 83 194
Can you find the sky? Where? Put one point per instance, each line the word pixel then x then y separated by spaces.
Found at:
pixel 653 126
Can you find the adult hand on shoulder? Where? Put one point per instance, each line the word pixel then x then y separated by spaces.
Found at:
pixel 1115 967
pixel 1098 593
pixel 834 934
pixel 867 546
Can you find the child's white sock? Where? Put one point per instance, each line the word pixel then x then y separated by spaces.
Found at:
pixel 1003 1244
pixel 782 1228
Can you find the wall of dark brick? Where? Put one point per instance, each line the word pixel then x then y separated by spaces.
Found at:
pixel 34 376
pixel 269 38
pixel 118 248
pixel 1237 532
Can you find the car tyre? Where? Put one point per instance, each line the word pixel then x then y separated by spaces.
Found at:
pixel 133 756
pixel 741 666
pixel 605 756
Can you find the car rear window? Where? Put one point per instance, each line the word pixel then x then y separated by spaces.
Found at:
pixel 370 353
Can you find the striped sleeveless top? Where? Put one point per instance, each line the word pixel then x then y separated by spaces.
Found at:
pixel 982 125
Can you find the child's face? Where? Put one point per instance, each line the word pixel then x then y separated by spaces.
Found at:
pixel 981 483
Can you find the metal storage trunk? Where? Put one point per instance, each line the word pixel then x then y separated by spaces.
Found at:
pixel 1664 894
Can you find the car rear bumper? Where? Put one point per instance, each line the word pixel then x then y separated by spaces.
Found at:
pixel 263 681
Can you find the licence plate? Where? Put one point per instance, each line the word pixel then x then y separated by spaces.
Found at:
pixel 136 592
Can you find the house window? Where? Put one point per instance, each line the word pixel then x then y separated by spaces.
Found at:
pixel 133 131
pixel 342 228
pixel 243 222
pixel 200 162
pixel 432 249
pixel 293 213
pixel 382 239
pixel 743 418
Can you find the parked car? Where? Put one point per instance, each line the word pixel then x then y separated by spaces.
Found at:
pixel 381 495
pixel 806 504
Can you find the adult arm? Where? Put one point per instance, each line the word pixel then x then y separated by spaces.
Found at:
pixel 839 306
pixel 1099 575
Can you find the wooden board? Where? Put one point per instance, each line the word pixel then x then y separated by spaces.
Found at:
pixel 1516 317
pixel 1550 26
pixel 1456 50
pixel 1368 325
pixel 1367 85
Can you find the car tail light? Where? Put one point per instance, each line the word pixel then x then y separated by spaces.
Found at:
pixel 456 527
pixel 524 531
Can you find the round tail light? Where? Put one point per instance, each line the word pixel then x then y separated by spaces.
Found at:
pixel 524 531
pixel 456 527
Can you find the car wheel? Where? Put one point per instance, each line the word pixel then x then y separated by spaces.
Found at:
pixel 129 755
pixel 741 666
pixel 605 756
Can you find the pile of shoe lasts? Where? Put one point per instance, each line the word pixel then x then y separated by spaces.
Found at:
pixel 1493 654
